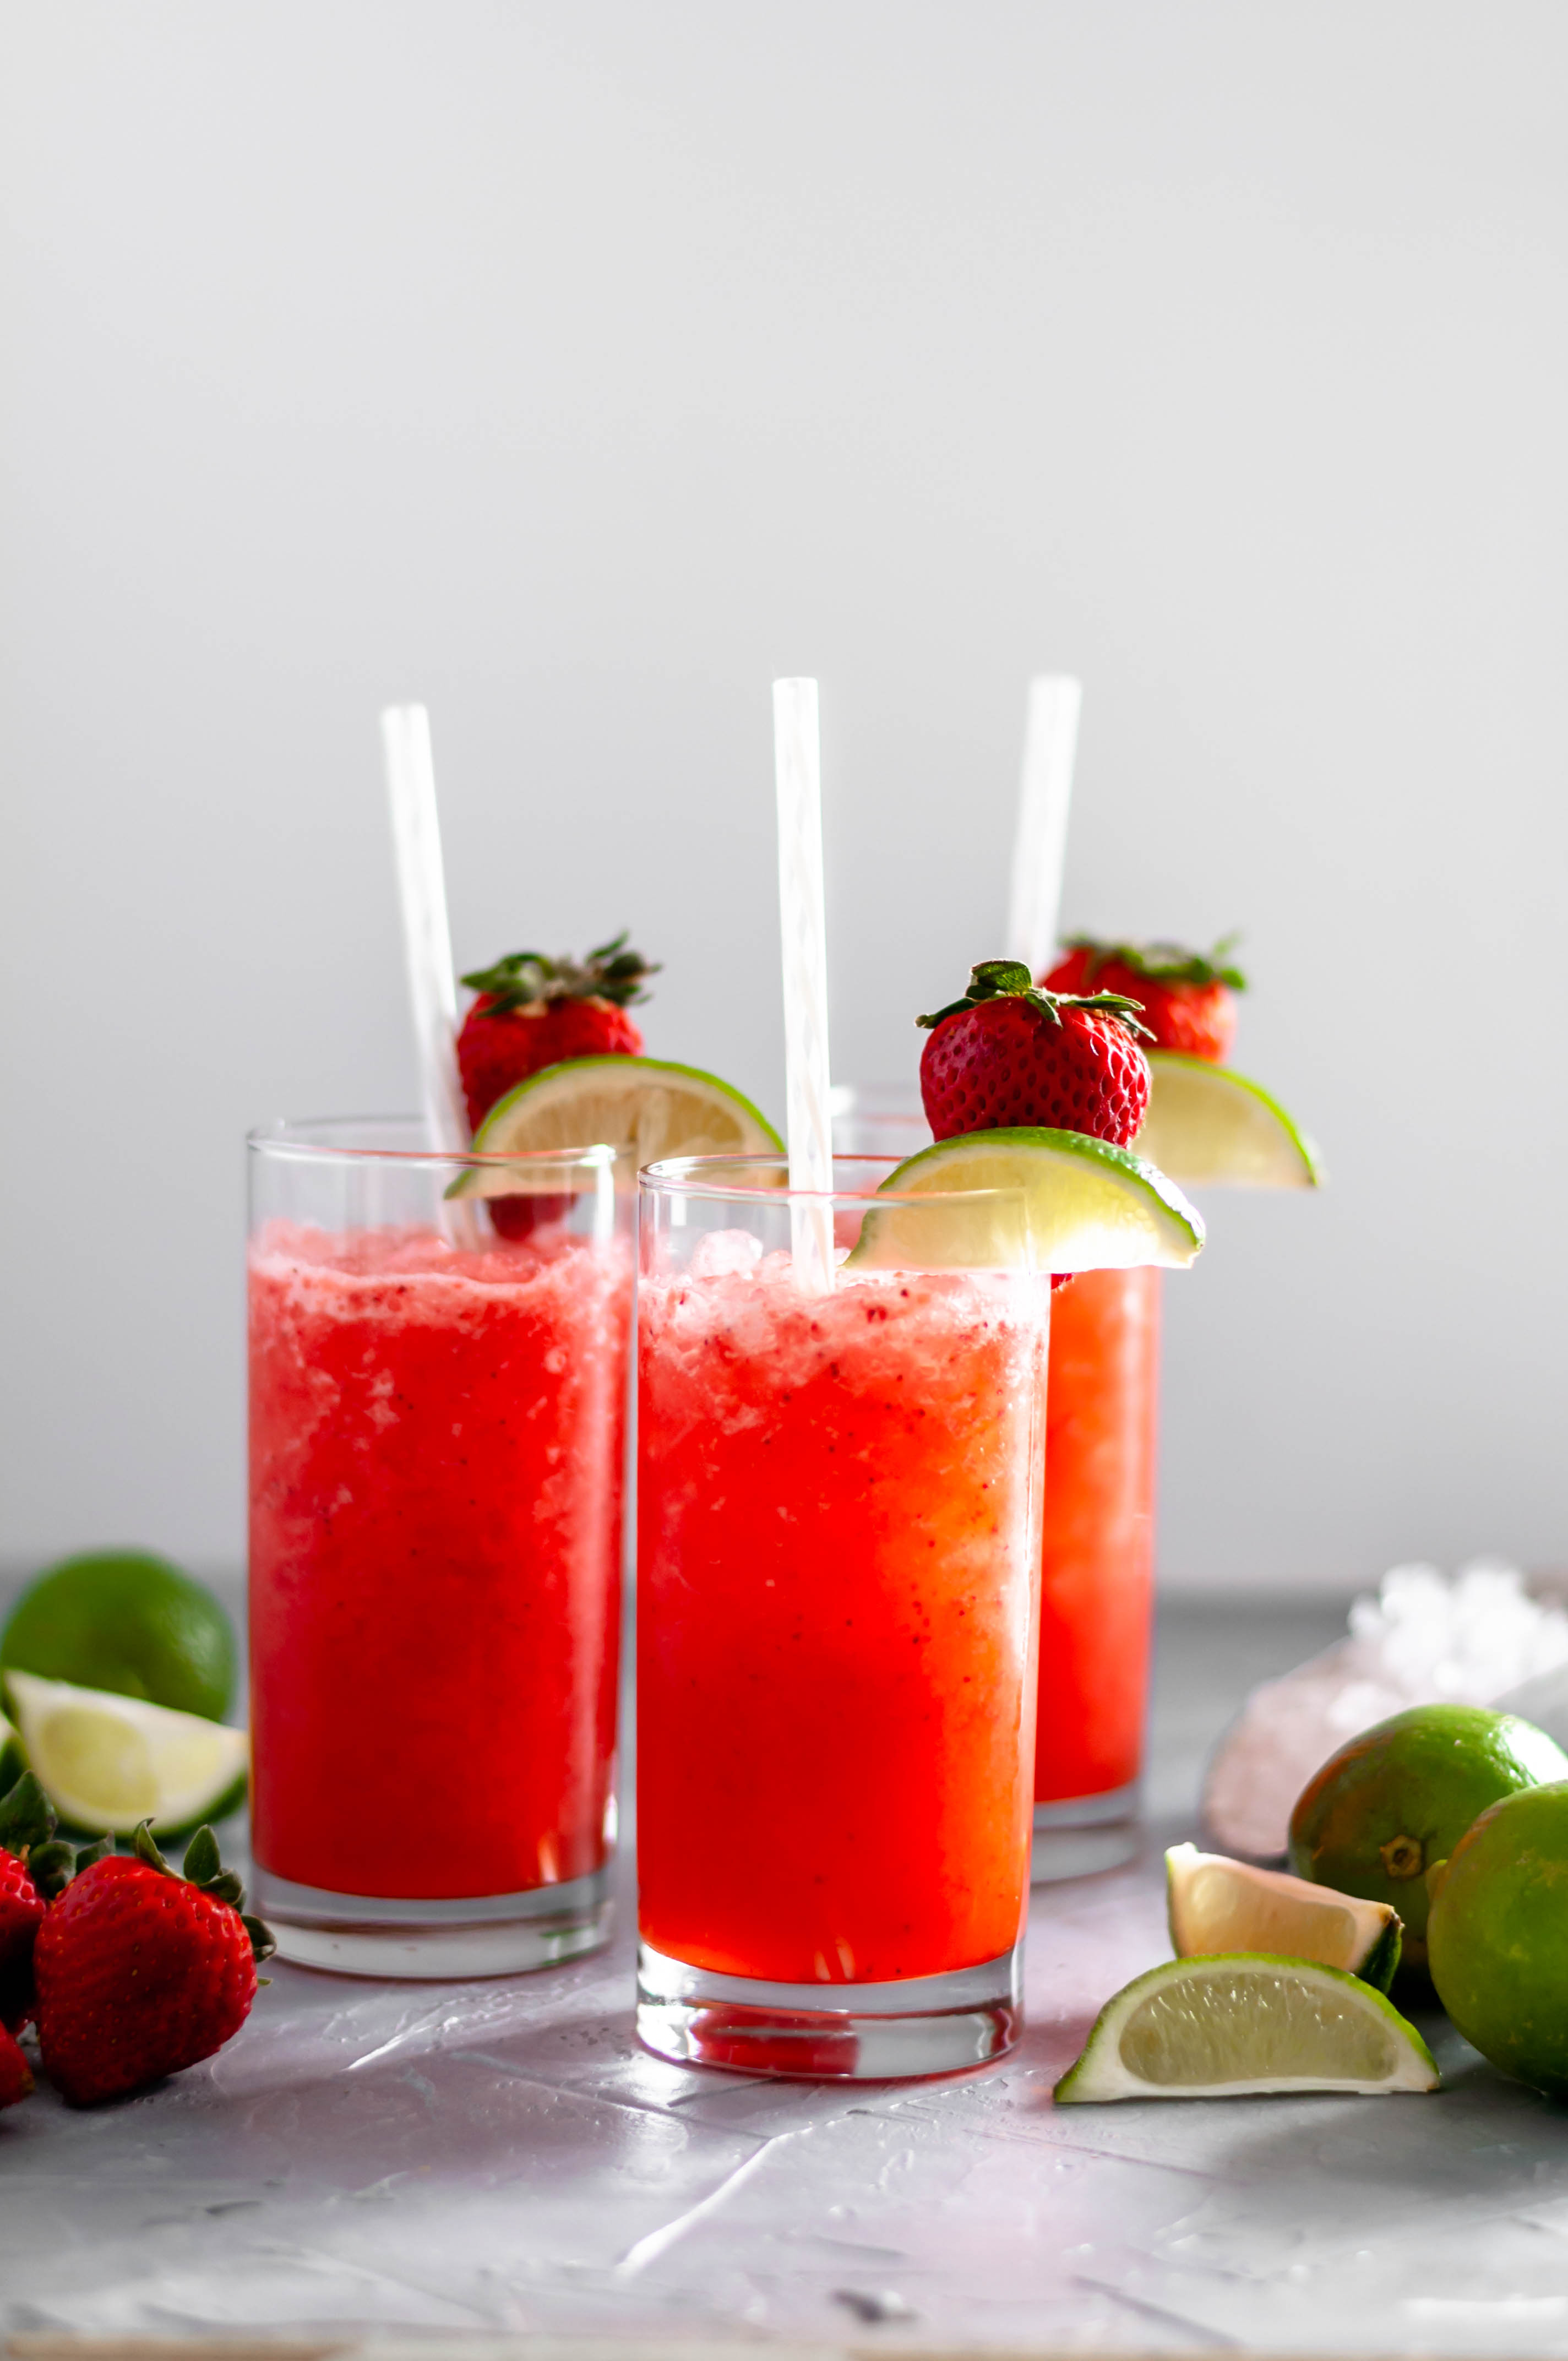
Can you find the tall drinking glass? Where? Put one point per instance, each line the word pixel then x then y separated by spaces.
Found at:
pixel 437 1430
pixel 1097 1556
pixel 1097 1579
pixel 838 1504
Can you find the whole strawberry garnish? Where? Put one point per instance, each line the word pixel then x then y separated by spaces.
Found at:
pixel 31 1867
pixel 1188 998
pixel 532 1012
pixel 16 2075
pixel 1007 1054
pixel 140 1972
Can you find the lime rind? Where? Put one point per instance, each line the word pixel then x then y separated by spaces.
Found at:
pixel 109 1762
pixel 516 1123
pixel 129 1620
pixel 1101 2074
pixel 1215 1906
pixel 1212 1127
pixel 13 1756
pixel 1085 1205
pixel 1381 1964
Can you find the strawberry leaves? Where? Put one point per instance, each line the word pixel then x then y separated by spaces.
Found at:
pixel 1164 963
pixel 203 1868
pixel 28 1824
pixel 1010 980
pixel 26 1816
pixel 523 979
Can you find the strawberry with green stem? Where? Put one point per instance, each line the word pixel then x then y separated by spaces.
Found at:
pixel 1008 1054
pixel 140 1970
pixel 1187 999
pixel 33 1867
pixel 534 1011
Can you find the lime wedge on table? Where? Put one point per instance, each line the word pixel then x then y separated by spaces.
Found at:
pixel 1207 1126
pixel 1217 1906
pixel 110 1761
pixel 646 1106
pixel 1084 1206
pixel 1245 2024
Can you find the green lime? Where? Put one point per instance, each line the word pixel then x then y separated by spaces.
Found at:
pixel 1062 1201
pixel 1236 2026
pixel 1397 1798
pixel 1498 1933
pixel 109 1762
pixel 1217 1905
pixel 1207 1126
pixel 643 1104
pixel 126 1620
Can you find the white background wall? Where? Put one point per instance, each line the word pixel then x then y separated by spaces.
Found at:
pixel 577 369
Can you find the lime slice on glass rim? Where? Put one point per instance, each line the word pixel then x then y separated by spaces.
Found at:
pixel 1212 1127
pixel 1242 2025
pixel 1217 1906
pixel 1085 1205
pixel 108 1761
pixel 644 1105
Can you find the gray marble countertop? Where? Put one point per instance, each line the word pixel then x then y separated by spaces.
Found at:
pixel 500 2157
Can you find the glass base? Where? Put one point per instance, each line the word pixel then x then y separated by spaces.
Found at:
pixel 483 1935
pixel 1085 1834
pixel 876 2032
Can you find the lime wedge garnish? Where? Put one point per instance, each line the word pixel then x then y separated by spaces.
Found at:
pixel 13 1756
pixel 1212 1127
pixel 644 1105
pixel 1245 2024
pixel 109 1762
pixel 1084 1206
pixel 1217 1905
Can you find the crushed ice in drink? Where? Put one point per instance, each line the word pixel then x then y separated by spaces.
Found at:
pixel 724 1254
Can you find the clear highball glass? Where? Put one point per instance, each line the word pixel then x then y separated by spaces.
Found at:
pixel 839 1505
pixel 1097 1559
pixel 438 1354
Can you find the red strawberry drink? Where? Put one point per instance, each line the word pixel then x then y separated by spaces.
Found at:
pixel 838 1506
pixel 436 1432
pixel 1097 1586
pixel 1096 1566
pixel 1000 1057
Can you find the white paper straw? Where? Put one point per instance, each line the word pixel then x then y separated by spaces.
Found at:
pixel 427 939
pixel 797 766
pixel 1045 792
pixel 427 945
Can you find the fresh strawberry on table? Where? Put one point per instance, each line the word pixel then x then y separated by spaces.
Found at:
pixel 1009 1054
pixel 16 2074
pixel 1187 999
pixel 32 1866
pixel 140 1972
pixel 533 1012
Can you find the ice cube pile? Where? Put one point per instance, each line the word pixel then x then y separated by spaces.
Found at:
pixel 1481 1639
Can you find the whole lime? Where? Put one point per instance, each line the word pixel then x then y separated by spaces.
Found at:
pixel 125 1621
pixel 1400 1796
pixel 1498 1933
